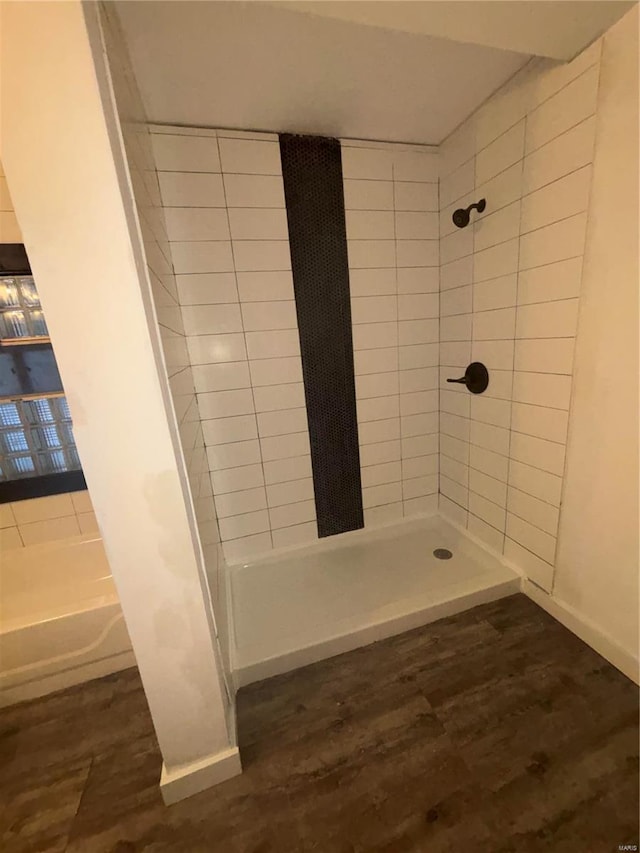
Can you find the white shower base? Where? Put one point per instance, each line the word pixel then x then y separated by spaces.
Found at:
pixel 292 609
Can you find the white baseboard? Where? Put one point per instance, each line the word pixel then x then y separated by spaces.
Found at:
pixel 586 631
pixel 184 781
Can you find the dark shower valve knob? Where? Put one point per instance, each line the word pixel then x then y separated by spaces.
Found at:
pixel 476 378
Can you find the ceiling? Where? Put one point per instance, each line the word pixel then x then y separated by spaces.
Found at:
pixel 558 29
pixel 259 66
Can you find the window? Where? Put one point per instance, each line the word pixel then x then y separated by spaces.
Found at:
pixel 38 455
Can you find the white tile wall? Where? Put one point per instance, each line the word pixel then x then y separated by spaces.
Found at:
pixel 391 201
pixel 242 334
pixel 510 284
pixel 39 520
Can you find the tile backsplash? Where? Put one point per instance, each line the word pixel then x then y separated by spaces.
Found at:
pixel 510 284
pixel 40 520
pixel 224 205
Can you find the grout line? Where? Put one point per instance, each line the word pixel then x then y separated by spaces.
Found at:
pixel 264 479
pixel 537 106
pixel 580 306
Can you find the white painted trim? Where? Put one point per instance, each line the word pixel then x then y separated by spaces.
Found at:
pixel 186 780
pixel 583 628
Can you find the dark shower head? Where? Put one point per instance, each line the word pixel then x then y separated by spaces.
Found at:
pixel 462 215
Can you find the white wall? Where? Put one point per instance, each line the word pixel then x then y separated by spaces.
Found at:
pixel 73 200
pixel 167 318
pixel 597 563
pixel 38 520
pixel 9 228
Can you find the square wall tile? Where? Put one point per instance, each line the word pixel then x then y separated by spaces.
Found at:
pixel 273 344
pixel 211 319
pixel 298 534
pixel 183 189
pixel 411 225
pixel 557 158
pixel 221 377
pixel 265 286
pixel 486 510
pixel 368 163
pixel 368 195
pixel 233 455
pixel 207 349
pixel 560 280
pixel 251 223
pixel 420 355
pixel 371 254
pixel 544 422
pixel 554 242
pixel 196 223
pixel 418 279
pixel 542 389
pixel 494 228
pixel 283 470
pixel 265 316
pixel 380 452
pixel 415 196
pixel 545 355
pixel 375 336
pixel 374 309
pixel 495 293
pixel 418 306
pixel 275 397
pixel 223 430
pixel 285 446
pixel 563 198
pixel 203 256
pixel 282 422
pixel 248 156
pixel 294 491
pixel 176 153
pixel 370 225
pixel 564 110
pixel 260 255
pixel 291 514
pixel 535 482
pixel 236 503
pixel 275 371
pixel 530 537
pixel 373 432
pixel 246 548
pixel 207 288
pixel 418 332
pixel 381 495
pixel 419 165
pixel 497 261
pixel 503 152
pixel 265 191
pixel 372 282
pixel 42 509
pixel 536 512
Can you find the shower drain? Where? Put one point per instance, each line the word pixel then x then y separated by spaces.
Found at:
pixel 442 554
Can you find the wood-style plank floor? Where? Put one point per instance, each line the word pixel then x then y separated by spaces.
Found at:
pixel 495 731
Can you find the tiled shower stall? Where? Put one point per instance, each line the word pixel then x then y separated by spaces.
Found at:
pixel 426 299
